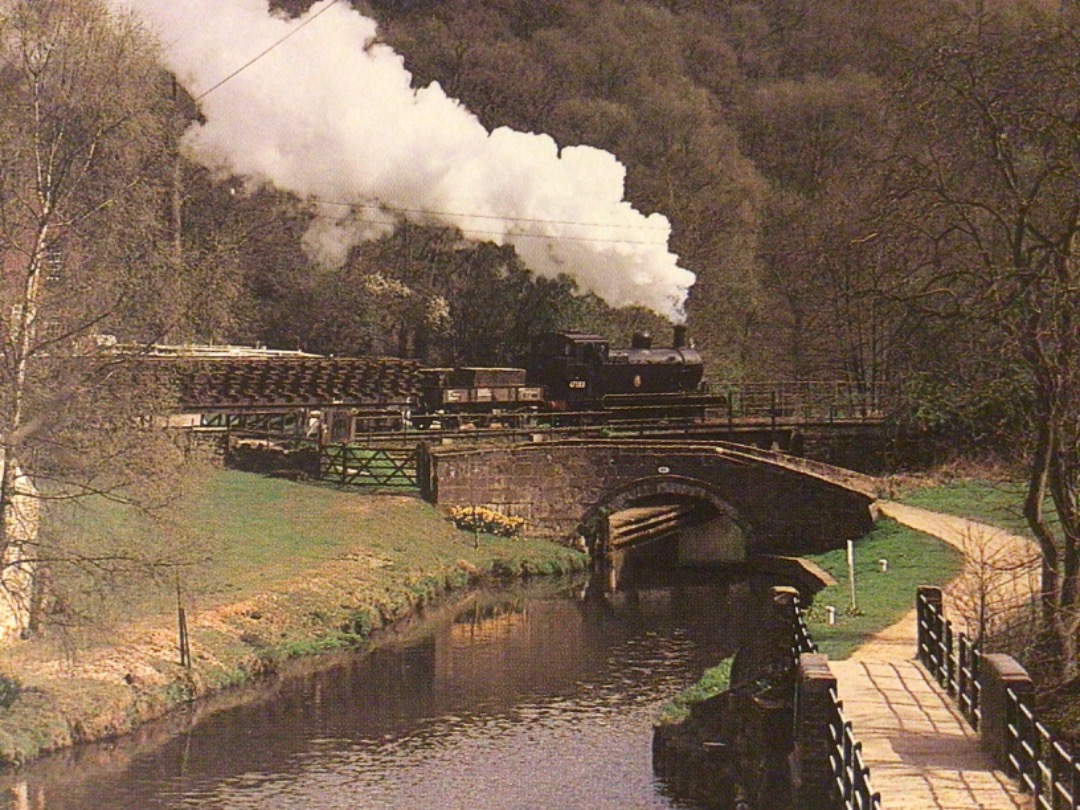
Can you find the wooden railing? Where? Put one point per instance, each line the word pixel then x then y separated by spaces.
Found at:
pixel 952 658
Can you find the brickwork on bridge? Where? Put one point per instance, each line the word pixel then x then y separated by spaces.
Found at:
pixel 782 504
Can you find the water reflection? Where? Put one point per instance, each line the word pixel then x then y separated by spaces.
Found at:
pixel 518 699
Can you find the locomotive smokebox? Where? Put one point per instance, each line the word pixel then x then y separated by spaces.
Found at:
pixel 641 340
pixel 679 340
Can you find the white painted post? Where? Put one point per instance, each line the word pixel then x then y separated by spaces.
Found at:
pixel 853 607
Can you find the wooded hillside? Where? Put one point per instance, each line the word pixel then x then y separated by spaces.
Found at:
pixel 872 192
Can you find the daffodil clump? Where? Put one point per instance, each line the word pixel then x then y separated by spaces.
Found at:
pixel 481 519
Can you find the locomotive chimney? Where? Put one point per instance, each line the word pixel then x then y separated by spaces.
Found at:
pixel 641 340
pixel 680 337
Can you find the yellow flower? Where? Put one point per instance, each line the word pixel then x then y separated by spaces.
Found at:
pixel 482 519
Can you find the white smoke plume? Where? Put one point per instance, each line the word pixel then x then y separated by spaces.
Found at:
pixel 330 115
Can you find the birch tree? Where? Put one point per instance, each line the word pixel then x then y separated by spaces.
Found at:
pixel 84 170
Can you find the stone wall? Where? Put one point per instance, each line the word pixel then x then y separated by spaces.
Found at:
pixel 811 774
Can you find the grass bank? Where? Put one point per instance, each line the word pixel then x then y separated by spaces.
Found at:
pixel 997 503
pixel 882 597
pixel 291 569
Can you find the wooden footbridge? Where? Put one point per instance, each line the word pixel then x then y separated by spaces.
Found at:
pixel 923 721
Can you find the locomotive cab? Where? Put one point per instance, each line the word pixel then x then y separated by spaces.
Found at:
pixel 567 365
pixel 581 372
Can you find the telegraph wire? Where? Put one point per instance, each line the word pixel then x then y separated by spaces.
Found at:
pixel 390 209
pixel 263 53
pixel 511 236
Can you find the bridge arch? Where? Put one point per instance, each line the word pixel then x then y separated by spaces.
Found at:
pixel 718 534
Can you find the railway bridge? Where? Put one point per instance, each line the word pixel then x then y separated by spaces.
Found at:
pixel 711 503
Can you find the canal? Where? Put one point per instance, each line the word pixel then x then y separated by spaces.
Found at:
pixel 532 696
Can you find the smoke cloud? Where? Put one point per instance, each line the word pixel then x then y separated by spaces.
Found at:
pixel 331 115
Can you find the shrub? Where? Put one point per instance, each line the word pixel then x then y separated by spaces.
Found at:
pixel 9 690
pixel 358 624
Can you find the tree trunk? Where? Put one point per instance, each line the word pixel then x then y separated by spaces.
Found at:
pixel 1034 513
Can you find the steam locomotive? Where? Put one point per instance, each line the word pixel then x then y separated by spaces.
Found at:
pixel 576 373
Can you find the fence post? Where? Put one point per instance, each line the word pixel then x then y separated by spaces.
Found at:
pixel 962 662
pixel 998 674
pixel 947 648
pixel 1074 778
pixel 928 600
pixel 424 476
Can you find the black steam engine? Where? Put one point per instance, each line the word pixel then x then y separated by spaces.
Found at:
pixel 578 373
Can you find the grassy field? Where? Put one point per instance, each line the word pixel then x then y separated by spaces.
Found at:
pixel 994 502
pixel 252 533
pixel 265 529
pixel 881 598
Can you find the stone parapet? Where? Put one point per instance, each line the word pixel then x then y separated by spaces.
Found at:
pixel 810 769
pixel 997 675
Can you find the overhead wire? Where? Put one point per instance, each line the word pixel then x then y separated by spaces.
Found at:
pixel 500 217
pixel 267 50
pixel 511 236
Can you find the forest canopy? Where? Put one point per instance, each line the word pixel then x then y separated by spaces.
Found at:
pixel 879 193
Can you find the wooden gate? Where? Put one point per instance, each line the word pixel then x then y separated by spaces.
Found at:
pixel 351 465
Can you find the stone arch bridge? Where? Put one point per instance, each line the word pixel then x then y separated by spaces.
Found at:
pixel 609 492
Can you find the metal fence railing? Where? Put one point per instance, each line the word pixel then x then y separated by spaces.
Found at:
pixel 1046 766
pixel 952 658
pixel 849 777
pixel 814 400
pixel 803 641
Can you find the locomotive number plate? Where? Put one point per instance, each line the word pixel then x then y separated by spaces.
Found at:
pixel 577 383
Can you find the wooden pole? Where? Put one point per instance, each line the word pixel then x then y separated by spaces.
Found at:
pixel 185 647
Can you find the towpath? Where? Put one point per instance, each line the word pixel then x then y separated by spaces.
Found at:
pixel 921 752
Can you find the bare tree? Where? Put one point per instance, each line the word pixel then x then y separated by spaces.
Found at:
pixel 999 578
pixel 988 181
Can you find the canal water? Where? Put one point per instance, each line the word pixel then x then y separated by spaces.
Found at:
pixel 533 697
